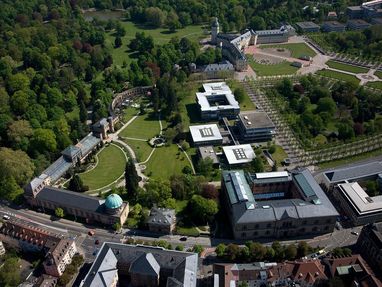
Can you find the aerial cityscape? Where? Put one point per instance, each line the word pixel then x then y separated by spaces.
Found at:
pixel 190 143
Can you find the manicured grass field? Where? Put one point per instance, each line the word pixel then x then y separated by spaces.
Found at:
pixel 143 127
pixel 297 49
pixel 339 76
pixel 378 74
pixel 111 164
pixel 160 36
pixel 347 68
pixel 283 68
pixel 375 85
pixel 142 149
pixel 165 162
pixel 129 113
pixel 246 104
pixel 348 160
pixel 279 155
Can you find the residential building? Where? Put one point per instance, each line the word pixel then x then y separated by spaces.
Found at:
pixel 237 155
pixel 254 274
pixel 369 245
pixel 333 26
pixel 255 126
pixel 354 12
pixel 353 270
pixel 307 27
pixel 29 237
pixel 92 209
pixel 276 204
pixel 161 220
pixel 136 265
pixel 376 21
pixel 302 272
pixel 367 10
pixel 206 135
pixel 357 24
pixel 218 71
pixel 329 179
pixel 357 204
pixel 332 15
pixel 208 152
pixel 217 102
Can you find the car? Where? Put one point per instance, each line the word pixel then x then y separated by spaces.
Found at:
pixel 183 238
pixel 91 232
pixel 96 242
pixel 354 233
pixel 6 217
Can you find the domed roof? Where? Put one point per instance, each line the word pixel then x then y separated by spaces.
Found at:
pixel 113 201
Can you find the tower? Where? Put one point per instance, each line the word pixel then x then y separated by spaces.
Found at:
pixel 214 31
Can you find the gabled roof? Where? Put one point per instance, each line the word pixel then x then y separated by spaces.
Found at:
pixel 354 172
pixel 71 151
pixel 71 199
pixel 161 216
pixel 145 265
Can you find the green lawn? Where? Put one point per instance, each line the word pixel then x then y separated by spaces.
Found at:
pixel 129 112
pixel 279 155
pixel 347 68
pixel 142 149
pixel 375 85
pixel 283 68
pixel 297 49
pixel 111 164
pixel 187 231
pixel 160 36
pixel 246 104
pixel 348 160
pixel 143 127
pixel 378 74
pixel 165 162
pixel 339 76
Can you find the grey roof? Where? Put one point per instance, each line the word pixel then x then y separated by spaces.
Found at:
pixel 71 199
pixel 145 265
pixel 252 211
pixel 181 266
pixel 71 151
pixel 223 66
pixel 333 24
pixel 307 25
pixel 88 143
pixel 208 152
pixel 237 187
pixel 256 120
pixel 106 269
pixel 354 172
pixel 161 216
pixel 57 169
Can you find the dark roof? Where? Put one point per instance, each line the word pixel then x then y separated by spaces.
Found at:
pixel 161 216
pixel 254 119
pixel 71 151
pixel 69 199
pixel 182 266
pixel 354 172
pixel 145 265
pixel 307 25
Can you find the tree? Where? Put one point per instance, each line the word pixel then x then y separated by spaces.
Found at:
pixel 198 249
pixel 9 275
pixel 202 209
pixel 59 212
pixel 232 252
pixel 179 247
pixel 291 252
pixel 43 140
pixel 76 184
pixel 157 192
pixel 220 250
pixel 257 165
pixel 209 191
pixel 16 164
pixel 117 226
pixel 302 249
pixel 205 166
pixel 154 17
pixel 131 180
pixel 239 94
pixel 327 105
pixel 19 133
pixel 117 42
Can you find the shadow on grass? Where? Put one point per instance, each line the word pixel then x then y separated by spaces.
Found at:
pixel 167 32
pixel 193 113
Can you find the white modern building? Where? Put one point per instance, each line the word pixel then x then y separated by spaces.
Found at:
pixel 239 154
pixel 357 204
pixel 206 135
pixel 217 101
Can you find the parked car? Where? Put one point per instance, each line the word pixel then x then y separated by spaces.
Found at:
pixel 91 232
pixel 96 242
pixel 6 217
pixel 184 238
pixel 355 233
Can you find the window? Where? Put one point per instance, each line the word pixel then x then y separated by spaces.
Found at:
pixel 268 232
pixel 243 235
pixel 268 225
pixel 256 226
pixel 244 227
pixel 255 233
pixel 326 227
pixel 316 222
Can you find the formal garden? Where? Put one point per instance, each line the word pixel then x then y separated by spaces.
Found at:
pixel 296 50
pixel 346 67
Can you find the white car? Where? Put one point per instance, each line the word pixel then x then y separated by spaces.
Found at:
pixel 354 233
pixel 6 217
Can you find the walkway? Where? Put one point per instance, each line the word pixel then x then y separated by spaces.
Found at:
pixel 188 158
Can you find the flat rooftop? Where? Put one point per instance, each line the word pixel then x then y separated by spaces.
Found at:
pixel 307 25
pixel 358 22
pixel 238 154
pixel 359 199
pixel 205 133
pixel 208 152
pixel 333 24
pixel 216 87
pixel 217 96
pixel 254 119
